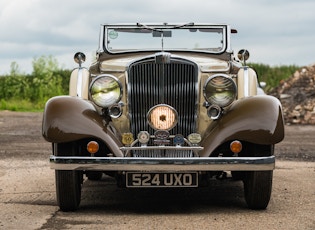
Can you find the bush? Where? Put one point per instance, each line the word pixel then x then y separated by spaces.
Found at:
pixel 21 91
pixel 273 75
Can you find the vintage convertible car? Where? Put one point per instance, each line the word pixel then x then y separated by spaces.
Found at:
pixel 164 105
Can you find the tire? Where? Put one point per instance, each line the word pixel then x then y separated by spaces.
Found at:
pixel 257 189
pixel 68 183
pixel 258 184
pixel 68 188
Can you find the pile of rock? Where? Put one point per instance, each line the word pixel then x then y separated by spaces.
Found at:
pixel 297 95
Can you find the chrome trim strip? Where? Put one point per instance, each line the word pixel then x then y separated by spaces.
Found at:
pixel 79 82
pixel 163 164
pixel 101 40
pixel 246 82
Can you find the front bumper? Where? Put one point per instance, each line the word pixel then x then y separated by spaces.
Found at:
pixel 163 164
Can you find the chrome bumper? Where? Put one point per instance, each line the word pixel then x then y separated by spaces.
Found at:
pixel 163 164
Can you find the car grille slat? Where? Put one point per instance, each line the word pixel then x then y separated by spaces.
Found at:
pixel 164 154
pixel 173 83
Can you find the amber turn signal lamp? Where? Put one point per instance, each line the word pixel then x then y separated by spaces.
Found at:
pixel 236 147
pixel 92 147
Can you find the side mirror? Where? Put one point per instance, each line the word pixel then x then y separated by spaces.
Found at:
pixel 243 55
pixel 79 58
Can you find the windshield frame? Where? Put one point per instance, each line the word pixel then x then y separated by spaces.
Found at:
pixel 159 27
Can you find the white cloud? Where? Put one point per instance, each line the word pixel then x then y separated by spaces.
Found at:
pixel 275 32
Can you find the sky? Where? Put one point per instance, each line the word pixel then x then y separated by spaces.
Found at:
pixel 276 32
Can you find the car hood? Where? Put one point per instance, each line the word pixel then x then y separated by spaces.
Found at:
pixel 205 64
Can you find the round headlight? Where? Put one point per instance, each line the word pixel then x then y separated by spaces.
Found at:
pixel 220 89
pixel 105 90
pixel 162 117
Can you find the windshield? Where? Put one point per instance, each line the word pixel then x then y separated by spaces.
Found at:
pixel 144 38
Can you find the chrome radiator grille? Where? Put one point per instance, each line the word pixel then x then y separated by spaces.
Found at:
pixel 163 153
pixel 175 84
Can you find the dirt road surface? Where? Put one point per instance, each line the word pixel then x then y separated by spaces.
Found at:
pixel 27 191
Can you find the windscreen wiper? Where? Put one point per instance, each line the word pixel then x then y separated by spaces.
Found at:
pixel 183 25
pixel 159 30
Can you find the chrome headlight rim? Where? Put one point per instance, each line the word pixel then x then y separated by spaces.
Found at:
pixel 115 99
pixel 154 125
pixel 216 101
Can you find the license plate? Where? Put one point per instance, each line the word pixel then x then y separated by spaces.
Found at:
pixel 161 179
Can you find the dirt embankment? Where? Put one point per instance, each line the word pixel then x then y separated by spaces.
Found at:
pixel 297 95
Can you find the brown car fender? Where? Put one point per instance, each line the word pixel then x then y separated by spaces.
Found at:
pixel 69 118
pixel 256 119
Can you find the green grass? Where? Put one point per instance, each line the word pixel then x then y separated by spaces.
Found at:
pixel 21 106
pixel 273 75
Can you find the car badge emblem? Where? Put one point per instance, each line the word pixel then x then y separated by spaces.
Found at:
pixel 178 139
pixel 127 138
pixel 161 137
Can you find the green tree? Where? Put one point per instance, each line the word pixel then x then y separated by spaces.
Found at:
pixel 20 91
pixel 44 80
pixel 14 69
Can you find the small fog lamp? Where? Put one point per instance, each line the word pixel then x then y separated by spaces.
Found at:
pixel 214 112
pixel 115 111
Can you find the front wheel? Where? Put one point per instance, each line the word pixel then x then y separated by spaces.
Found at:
pixel 257 189
pixel 68 188
pixel 68 182
pixel 258 184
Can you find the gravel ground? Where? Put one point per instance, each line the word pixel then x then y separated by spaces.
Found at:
pixel 27 191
